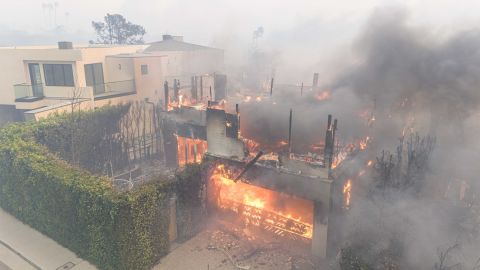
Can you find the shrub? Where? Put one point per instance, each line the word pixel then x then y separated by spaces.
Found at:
pixel 80 210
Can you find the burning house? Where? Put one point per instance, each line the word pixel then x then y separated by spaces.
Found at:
pixel 279 193
pixel 185 117
pixel 284 195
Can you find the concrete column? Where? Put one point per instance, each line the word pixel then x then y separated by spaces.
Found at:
pixel 172 227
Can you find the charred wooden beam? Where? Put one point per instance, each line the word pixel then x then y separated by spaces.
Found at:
pixel 165 87
pixel 315 81
pixel 328 151
pixel 237 110
pixel 201 87
pixel 176 87
pixel 290 132
pixel 194 90
pixel 271 87
pixel 248 166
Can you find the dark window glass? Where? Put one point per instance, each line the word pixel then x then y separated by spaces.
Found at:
pixel 48 70
pixel 144 69
pixel 58 75
pixel 68 75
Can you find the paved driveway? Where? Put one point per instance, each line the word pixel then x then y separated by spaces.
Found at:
pixel 22 247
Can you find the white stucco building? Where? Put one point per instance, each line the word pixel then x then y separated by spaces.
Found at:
pixel 39 80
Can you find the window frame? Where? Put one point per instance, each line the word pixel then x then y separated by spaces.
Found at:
pixel 144 69
pixel 58 75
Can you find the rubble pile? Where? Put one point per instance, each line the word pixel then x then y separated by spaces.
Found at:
pixel 244 249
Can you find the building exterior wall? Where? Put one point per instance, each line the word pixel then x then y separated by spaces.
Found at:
pixel 14 68
pixel 99 55
pixel 149 85
pixel 119 68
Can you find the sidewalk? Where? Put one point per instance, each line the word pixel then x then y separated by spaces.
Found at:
pixel 22 247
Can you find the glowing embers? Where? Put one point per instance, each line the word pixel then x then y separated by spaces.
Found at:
pixel 347 193
pixel 323 95
pixel 279 213
pixel 190 150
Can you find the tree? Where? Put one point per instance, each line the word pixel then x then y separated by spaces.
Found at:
pixel 115 29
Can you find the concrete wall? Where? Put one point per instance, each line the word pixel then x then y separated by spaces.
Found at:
pixel 119 68
pixel 218 142
pixel 99 55
pixel 149 85
pixel 195 62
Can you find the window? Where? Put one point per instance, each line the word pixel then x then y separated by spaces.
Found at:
pixel 58 74
pixel 144 69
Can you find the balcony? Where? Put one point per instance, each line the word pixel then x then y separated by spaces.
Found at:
pixel 114 89
pixel 25 92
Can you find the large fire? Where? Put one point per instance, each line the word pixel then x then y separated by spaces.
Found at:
pixel 190 150
pixel 279 213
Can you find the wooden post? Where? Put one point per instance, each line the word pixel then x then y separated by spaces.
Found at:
pixel 290 133
pixel 201 87
pixel 271 87
pixel 315 81
pixel 165 87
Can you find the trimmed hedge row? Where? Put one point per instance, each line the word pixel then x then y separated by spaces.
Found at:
pixel 190 206
pixel 80 210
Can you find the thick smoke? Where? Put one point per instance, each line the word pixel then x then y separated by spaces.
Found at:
pixel 415 81
pixel 430 85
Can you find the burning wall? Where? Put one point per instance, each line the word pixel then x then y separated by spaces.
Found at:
pixel 287 204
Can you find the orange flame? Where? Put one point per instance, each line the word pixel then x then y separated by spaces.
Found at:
pixel 262 207
pixel 323 95
pixel 347 189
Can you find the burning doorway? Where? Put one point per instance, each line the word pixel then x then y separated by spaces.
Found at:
pixel 279 213
pixel 284 205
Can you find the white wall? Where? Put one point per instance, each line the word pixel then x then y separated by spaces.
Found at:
pixel 149 85
pixel 119 68
pixel 14 68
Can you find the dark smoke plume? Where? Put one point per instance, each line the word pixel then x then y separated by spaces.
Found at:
pixel 419 82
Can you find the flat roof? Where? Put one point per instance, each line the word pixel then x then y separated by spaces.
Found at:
pixel 80 46
pixel 175 45
pixel 135 55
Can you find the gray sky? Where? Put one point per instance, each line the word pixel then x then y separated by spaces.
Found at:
pixel 307 31
pixel 203 21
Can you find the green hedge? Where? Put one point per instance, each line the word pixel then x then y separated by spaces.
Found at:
pixel 190 206
pixel 81 211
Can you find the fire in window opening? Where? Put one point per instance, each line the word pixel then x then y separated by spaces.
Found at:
pixel 190 150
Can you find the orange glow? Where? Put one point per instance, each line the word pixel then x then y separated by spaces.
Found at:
pixel 180 100
pixel 282 143
pixel 258 99
pixel 323 95
pixel 347 189
pixel 190 150
pixel 370 163
pixel 364 143
pixel 282 214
